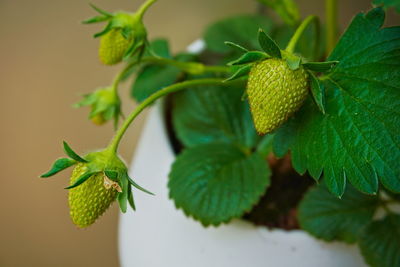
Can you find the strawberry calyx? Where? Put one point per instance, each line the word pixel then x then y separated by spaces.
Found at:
pixel 129 25
pixel 104 104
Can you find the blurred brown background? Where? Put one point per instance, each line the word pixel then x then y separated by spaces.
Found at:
pixel 47 59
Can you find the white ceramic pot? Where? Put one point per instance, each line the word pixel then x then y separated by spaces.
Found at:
pixel 159 235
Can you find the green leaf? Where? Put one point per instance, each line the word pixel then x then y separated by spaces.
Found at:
pixel 214 183
pixel 320 66
pixel 268 45
pixel 59 165
pixel 249 57
pixel 151 78
pixel 318 92
pixel 81 179
pixel 330 218
pixel 158 47
pixel 242 71
pixel 388 3
pixel 68 150
pixel 286 9
pixel 239 29
pixel 357 139
pixel 213 114
pixel 380 243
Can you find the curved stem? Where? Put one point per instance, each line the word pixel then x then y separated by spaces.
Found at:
pixel 300 30
pixel 189 67
pixel 143 8
pixel 148 101
pixel 331 24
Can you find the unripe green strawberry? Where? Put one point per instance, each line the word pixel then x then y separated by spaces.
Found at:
pixel 113 47
pixel 275 92
pixel 91 199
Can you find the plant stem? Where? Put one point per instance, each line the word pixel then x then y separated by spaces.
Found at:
pixel 143 8
pixel 300 30
pixel 189 67
pixel 148 101
pixel 331 24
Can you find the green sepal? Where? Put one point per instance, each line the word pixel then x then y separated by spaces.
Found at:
pixel 237 46
pixel 138 186
pixel 317 91
pixel 320 66
pixel 268 45
pixel 239 73
pixel 81 179
pixel 249 57
pixel 292 60
pixel 68 150
pixel 96 19
pixel 113 175
pixel 130 198
pixel 101 11
pixel 123 196
pixel 59 165
pixel 133 48
pixel 104 31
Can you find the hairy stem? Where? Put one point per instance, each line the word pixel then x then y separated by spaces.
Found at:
pixel 331 24
pixel 300 30
pixel 148 101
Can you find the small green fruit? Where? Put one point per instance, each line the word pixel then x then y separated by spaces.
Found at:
pixel 113 47
pixel 91 199
pixel 275 92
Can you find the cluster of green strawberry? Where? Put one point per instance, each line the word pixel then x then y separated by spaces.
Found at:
pixel 278 82
pixel 101 177
pixel 98 179
pixel 123 38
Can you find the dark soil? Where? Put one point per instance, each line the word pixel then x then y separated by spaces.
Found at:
pixel 277 208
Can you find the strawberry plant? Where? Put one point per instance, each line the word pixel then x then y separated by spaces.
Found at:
pixel 269 113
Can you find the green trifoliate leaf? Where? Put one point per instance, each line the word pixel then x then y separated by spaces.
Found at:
pixel 320 66
pixel 241 72
pixel 214 183
pixel 248 57
pixel 81 180
pixel 268 45
pixel 388 3
pixel 286 9
pixel 68 150
pixel 380 242
pixel 357 139
pixel 212 114
pixel 327 217
pixel 59 165
pixel 318 92
pixel 239 29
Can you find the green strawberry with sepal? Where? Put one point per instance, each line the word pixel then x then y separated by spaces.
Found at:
pixel 278 82
pixel 98 179
pixel 123 37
